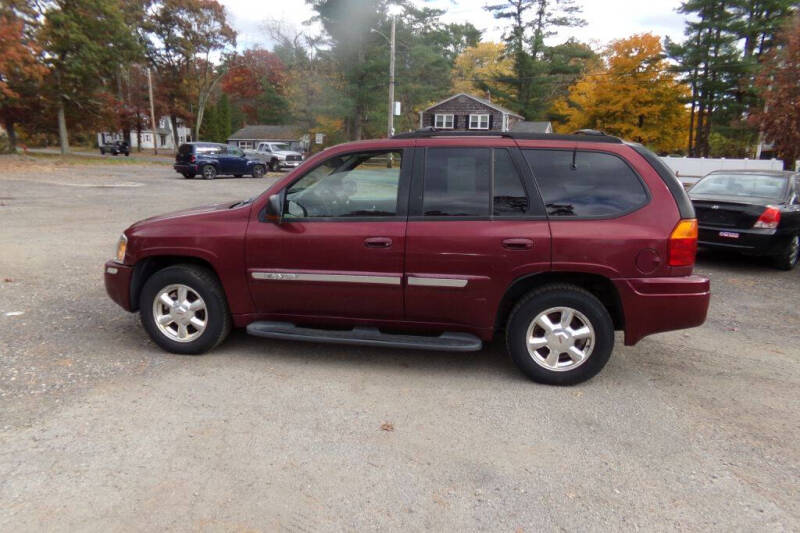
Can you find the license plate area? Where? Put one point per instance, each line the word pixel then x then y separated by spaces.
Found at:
pixel 729 234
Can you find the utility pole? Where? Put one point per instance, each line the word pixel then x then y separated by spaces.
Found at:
pixel 153 125
pixel 390 128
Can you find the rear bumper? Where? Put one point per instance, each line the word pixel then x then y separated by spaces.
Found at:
pixel 185 167
pixel 653 305
pixel 118 283
pixel 749 241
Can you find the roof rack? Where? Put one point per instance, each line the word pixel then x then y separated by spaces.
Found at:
pixel 579 136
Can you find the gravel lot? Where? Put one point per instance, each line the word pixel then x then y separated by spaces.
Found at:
pixel 100 430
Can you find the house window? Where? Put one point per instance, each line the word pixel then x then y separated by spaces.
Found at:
pixel 479 122
pixel 444 122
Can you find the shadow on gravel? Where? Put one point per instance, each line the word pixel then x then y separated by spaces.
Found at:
pixel 735 262
pixel 492 359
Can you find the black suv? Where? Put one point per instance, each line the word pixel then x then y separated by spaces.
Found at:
pixel 213 159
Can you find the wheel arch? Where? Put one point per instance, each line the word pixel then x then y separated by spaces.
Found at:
pixel 148 266
pixel 600 286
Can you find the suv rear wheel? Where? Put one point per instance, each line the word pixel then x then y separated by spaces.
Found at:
pixel 209 172
pixel 183 309
pixel 560 335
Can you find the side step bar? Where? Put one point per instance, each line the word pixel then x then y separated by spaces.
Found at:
pixel 448 341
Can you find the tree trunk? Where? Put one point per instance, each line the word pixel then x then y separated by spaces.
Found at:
pixel 12 135
pixel 138 132
pixel 62 127
pixel 173 119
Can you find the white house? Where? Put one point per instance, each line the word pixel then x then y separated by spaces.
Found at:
pixel 162 138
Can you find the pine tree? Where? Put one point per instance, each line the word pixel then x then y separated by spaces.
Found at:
pixel 209 130
pixel 532 21
pixel 223 118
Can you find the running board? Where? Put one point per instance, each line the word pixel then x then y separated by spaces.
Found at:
pixel 448 341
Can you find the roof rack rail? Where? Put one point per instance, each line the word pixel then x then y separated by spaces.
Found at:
pixel 579 136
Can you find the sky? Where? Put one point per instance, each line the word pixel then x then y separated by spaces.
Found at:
pixel 606 19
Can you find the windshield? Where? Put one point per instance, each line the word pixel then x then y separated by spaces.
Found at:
pixel 279 147
pixel 772 187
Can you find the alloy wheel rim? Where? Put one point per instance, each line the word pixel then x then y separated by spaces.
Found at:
pixel 794 254
pixel 180 313
pixel 560 339
pixel 208 172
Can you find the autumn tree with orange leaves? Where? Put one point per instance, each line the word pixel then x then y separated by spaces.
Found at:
pixel 256 82
pixel 20 71
pixel 633 96
pixel 780 88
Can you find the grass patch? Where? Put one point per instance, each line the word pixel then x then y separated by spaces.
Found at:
pixel 82 160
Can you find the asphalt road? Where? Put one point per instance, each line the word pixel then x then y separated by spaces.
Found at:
pixel 101 431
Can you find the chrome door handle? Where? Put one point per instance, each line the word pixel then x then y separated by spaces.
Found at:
pixel 377 242
pixel 518 244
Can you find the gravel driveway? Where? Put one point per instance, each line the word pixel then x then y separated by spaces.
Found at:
pixel 101 431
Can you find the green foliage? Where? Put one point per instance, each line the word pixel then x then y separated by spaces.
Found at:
pixel 538 72
pixel 223 118
pixel 721 72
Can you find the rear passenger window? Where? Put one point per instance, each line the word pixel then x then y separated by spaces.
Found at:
pixel 585 184
pixel 510 198
pixel 457 182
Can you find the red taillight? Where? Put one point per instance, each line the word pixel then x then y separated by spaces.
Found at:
pixel 683 243
pixel 769 219
pixel 192 159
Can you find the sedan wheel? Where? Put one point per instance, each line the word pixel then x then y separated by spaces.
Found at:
pixel 209 172
pixel 790 254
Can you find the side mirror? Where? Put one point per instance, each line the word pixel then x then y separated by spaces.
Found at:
pixel 274 207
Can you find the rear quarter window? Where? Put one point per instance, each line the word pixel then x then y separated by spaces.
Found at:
pixel 586 184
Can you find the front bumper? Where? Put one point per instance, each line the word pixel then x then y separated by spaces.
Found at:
pixel 653 305
pixel 290 164
pixel 749 241
pixel 118 283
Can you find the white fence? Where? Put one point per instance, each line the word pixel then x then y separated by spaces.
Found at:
pixel 690 169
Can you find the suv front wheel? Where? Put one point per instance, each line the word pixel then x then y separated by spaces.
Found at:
pixel 183 309
pixel 560 335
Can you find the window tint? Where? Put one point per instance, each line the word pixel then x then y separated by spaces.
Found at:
pixel 362 184
pixel 234 151
pixel 596 184
pixel 456 182
pixel 509 195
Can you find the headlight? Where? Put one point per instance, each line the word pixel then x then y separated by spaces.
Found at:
pixel 122 245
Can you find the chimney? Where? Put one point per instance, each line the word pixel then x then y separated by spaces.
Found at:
pixel 489 95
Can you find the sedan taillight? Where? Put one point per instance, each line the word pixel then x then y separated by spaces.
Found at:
pixel 769 219
pixel 682 246
pixel 192 159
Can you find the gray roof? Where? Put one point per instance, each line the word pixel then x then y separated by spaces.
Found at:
pixel 484 101
pixel 267 132
pixel 538 126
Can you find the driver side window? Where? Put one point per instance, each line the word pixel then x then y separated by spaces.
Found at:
pixel 360 184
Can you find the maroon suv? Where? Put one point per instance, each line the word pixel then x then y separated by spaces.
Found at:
pixel 432 240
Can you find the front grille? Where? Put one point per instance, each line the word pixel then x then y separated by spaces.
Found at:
pixel 294 158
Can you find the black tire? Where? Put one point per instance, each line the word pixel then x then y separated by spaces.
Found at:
pixel 209 172
pixel 127 154
pixel 553 296
pixel 188 175
pixel 274 165
pixel 790 254
pixel 203 282
pixel 102 151
pixel 258 171
pixel 238 175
